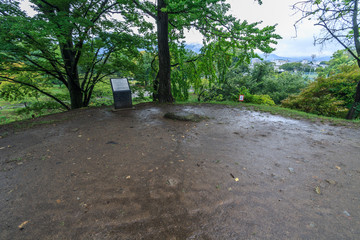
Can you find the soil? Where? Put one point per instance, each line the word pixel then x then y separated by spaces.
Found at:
pixel 133 174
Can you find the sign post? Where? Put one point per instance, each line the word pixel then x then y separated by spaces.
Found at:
pixel 121 92
pixel 241 98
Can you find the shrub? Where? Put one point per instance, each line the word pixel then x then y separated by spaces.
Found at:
pixel 328 96
pixel 230 93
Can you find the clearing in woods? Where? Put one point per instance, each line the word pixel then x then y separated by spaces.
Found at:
pixel 133 174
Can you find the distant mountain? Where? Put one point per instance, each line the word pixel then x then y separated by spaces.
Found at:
pixel 272 57
pixel 195 47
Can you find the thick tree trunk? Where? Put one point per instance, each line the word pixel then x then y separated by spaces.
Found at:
pixel 164 90
pixel 352 112
pixel 76 95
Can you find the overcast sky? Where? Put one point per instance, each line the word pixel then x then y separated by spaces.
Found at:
pixel 279 12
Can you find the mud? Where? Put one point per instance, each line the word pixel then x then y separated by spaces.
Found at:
pixel 98 174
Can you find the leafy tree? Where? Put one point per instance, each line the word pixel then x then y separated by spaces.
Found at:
pixel 335 65
pixel 280 86
pixel 73 42
pixel 263 80
pixel 340 21
pixel 329 96
pixel 210 18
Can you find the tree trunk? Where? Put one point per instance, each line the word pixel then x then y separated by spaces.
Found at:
pixel 76 95
pixel 164 90
pixel 352 112
pixel 156 88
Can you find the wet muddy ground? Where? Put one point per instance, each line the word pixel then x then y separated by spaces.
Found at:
pixel 98 174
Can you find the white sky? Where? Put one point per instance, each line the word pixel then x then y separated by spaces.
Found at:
pixel 276 12
pixel 279 12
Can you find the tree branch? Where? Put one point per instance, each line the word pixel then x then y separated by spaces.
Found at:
pixel 7 79
pixel 188 61
pixel 339 41
pixel 145 10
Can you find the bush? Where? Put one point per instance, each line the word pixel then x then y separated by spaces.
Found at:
pixel 328 96
pixel 221 93
pixel 36 109
pixel 259 99
pixel 230 93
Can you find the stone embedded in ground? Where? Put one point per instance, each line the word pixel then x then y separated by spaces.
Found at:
pixel 189 117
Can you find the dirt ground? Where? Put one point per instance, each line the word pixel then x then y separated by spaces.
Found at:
pixel 99 174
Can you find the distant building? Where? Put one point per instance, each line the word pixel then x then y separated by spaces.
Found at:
pixel 305 61
pixel 278 63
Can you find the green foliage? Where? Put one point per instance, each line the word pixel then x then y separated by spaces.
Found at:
pixel 328 96
pixel 35 109
pixel 262 80
pixel 259 99
pixel 280 86
pixel 296 67
pixel 13 92
pixel 255 98
pixel 224 37
pixel 73 42
pixel 231 93
pixel 339 60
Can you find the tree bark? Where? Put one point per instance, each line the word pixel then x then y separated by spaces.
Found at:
pixel 352 112
pixel 75 96
pixel 68 55
pixel 164 91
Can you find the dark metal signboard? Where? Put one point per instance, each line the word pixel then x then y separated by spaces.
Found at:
pixel 121 92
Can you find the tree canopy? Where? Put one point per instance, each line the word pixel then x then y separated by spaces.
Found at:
pixel 340 22
pixel 74 42
pixel 78 43
pixel 211 19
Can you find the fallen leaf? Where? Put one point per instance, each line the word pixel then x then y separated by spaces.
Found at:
pixel 332 182
pixel 338 168
pixel 21 226
pixel 317 190
pixel 347 213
